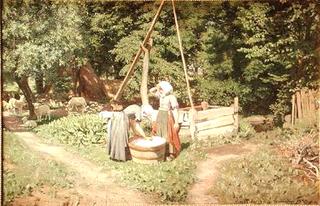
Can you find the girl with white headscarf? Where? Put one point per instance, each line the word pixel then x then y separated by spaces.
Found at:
pixel 166 124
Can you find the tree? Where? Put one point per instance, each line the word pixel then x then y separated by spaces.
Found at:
pixel 39 38
pixel 280 44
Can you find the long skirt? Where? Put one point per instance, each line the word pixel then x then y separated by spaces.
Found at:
pixel 119 134
pixel 164 128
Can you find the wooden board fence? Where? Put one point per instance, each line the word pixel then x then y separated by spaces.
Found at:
pixel 305 105
pixel 215 120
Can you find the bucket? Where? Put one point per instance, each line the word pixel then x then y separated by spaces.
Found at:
pixel 148 153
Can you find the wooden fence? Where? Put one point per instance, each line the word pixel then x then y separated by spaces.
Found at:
pixel 216 120
pixel 305 105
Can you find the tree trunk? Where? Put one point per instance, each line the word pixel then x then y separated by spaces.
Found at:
pixel 46 89
pixel 24 86
pixel 39 83
pixel 76 82
pixel 145 70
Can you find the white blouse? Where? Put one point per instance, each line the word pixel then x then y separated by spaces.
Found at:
pixel 169 102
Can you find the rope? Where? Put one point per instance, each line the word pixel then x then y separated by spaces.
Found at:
pixel 182 56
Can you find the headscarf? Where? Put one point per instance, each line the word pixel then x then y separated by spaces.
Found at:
pixel 166 87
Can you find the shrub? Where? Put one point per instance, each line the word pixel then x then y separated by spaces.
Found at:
pixel 246 130
pixel 75 130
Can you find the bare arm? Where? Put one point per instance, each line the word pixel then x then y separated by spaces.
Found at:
pixel 137 129
pixel 155 90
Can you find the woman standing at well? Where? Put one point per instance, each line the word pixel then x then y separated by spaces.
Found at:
pixel 166 124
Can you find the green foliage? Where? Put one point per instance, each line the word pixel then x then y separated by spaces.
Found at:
pixel 62 84
pixel 231 48
pixel 146 125
pixel 169 180
pixel 281 107
pixel 75 130
pixel 262 178
pixel 24 171
pixel 246 130
pixel 222 93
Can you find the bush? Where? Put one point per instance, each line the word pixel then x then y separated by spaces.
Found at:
pixel 75 130
pixel 262 178
pixel 246 130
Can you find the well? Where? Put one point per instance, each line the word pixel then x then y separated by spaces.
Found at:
pixel 146 154
pixel 211 122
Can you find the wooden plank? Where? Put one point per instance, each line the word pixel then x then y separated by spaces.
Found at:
pixel 192 117
pixel 292 109
pixel 302 103
pixel 236 115
pixel 229 129
pixel 312 103
pixel 199 108
pixel 298 97
pixel 221 121
pixel 310 100
pixel 214 113
pixel 295 109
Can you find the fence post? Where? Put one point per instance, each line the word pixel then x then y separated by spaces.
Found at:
pixel 298 96
pixel 236 114
pixel 292 109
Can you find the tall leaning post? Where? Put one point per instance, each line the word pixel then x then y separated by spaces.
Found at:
pixel 135 60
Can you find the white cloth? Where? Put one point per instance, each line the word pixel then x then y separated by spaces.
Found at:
pixel 106 114
pixel 146 110
pixel 166 87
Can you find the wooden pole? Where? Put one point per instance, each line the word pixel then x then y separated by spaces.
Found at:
pixel 182 56
pixel 145 71
pixel 299 104
pixel 292 109
pixel 303 103
pixel 193 111
pixel 135 60
pixel 236 115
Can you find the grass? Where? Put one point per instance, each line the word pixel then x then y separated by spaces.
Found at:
pixel 169 180
pixel 262 178
pixel 266 177
pixel 25 171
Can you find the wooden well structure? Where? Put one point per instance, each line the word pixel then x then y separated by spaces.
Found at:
pixel 214 121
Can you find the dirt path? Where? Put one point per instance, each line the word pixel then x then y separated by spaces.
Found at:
pixel 94 186
pixel 207 171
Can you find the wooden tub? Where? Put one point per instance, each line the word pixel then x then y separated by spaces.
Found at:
pixel 146 155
